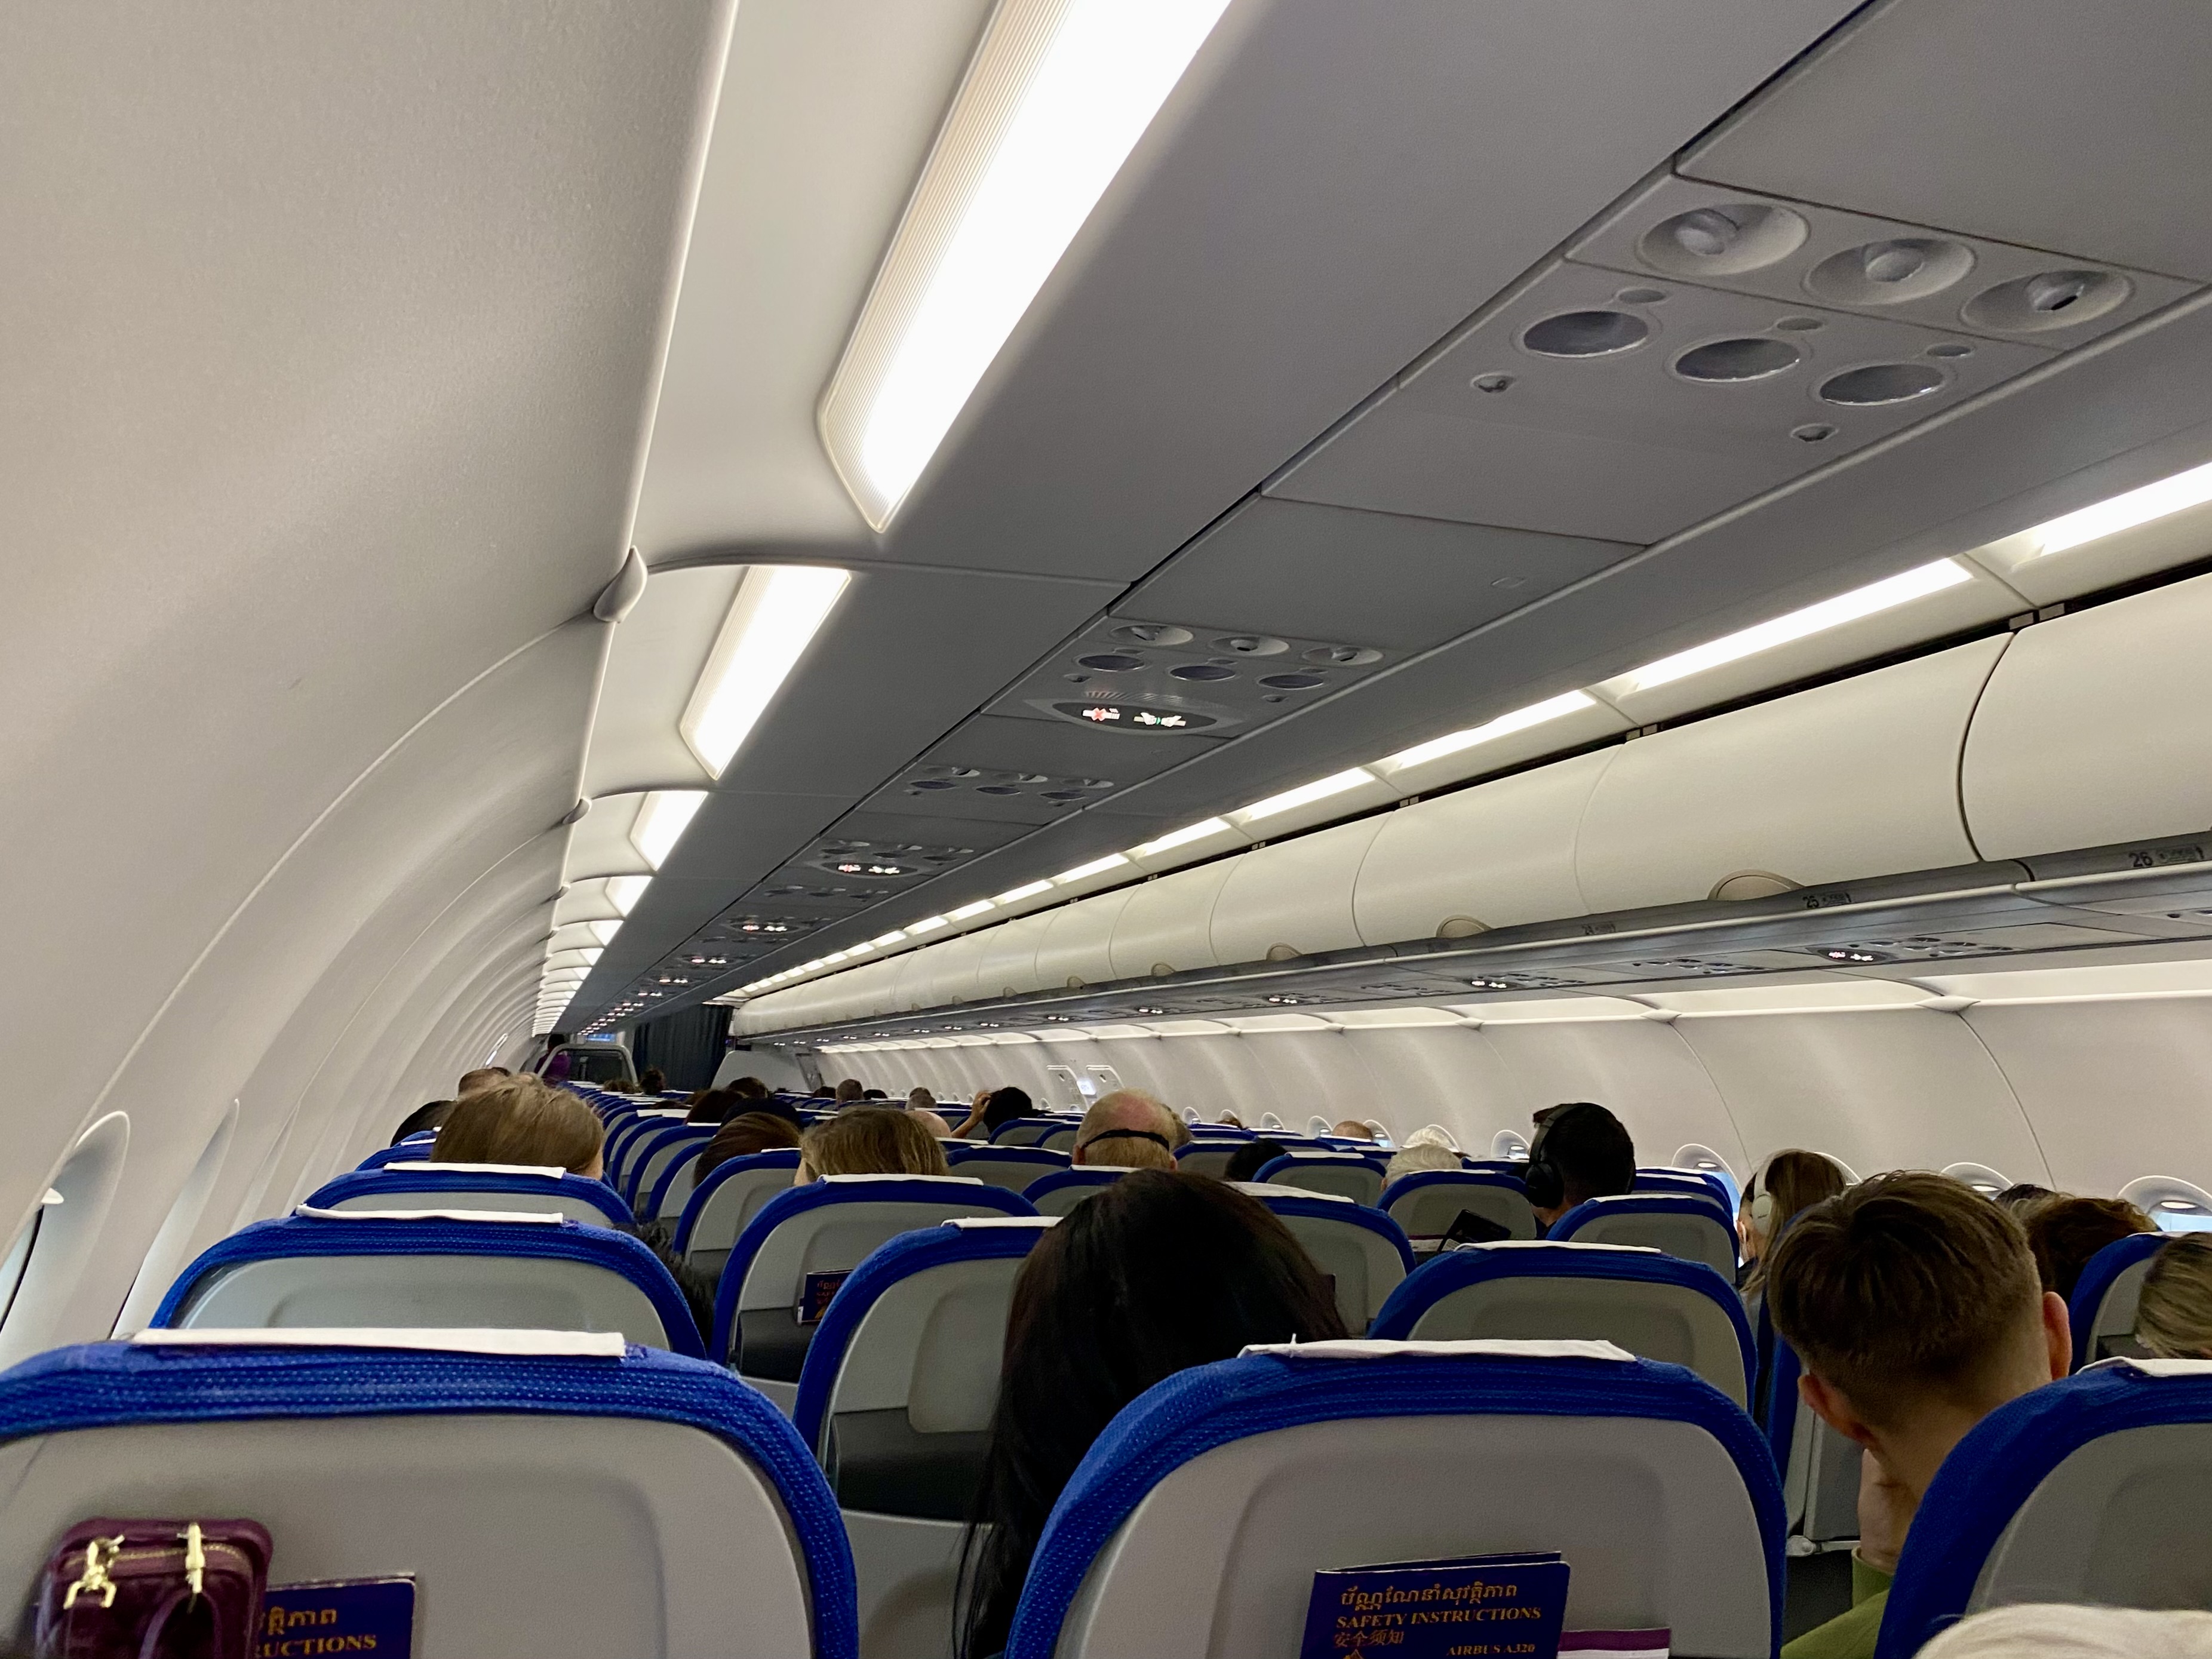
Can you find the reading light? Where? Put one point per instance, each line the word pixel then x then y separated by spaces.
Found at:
pixel 778 609
pixel 1096 867
pixel 1916 584
pixel 625 892
pixel 662 818
pixel 1015 896
pixel 1182 837
pixel 2154 501
pixel 1504 726
pixel 1057 96
pixel 966 911
pixel 1306 793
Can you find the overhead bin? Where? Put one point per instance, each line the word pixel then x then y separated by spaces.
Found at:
pixel 1493 856
pixel 1858 778
pixel 2092 732
pixel 1076 949
pixel 953 967
pixel 1008 966
pixel 1167 925
pixel 1294 898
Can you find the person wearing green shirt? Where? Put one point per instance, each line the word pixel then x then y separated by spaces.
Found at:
pixel 1914 1309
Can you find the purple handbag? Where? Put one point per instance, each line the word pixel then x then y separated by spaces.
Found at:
pixel 153 1590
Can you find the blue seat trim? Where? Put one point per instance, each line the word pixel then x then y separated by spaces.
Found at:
pixel 1059 1180
pixel 1992 1472
pixel 813 1196
pixel 114 1384
pixel 407 1151
pixel 1274 1166
pixel 560 1241
pixel 1455 1270
pixel 1425 1178
pixel 781 1158
pixel 1783 1368
pixel 957 1156
pixel 1039 1126
pixel 1641 1204
pixel 901 1259
pixel 1359 1215
pixel 2097 1276
pixel 1210 1405
pixel 701 1133
pixel 359 1183
pixel 1681 1181
pixel 641 1147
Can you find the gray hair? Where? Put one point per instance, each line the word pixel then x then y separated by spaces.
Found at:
pixel 2043 1631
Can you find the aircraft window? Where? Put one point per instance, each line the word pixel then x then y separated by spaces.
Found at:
pixel 67 1229
pixel 1508 1144
pixel 1706 1161
pixel 2176 1205
pixel 1981 1178
pixel 172 1244
pixel 19 1254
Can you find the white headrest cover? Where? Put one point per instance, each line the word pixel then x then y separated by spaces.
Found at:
pixel 1273 1189
pixel 1473 1348
pixel 591 1344
pixel 527 1217
pixel 2165 1367
pixel 551 1171
pixel 964 1181
pixel 982 1221
pixel 1558 1244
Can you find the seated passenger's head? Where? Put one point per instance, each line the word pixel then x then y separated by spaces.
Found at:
pixel 653 1081
pixel 1419 1160
pixel 482 1077
pixel 1158 1273
pixel 519 1119
pixel 742 1136
pixel 1352 1128
pixel 1003 1106
pixel 2064 1232
pixel 426 1117
pixel 1580 1152
pixel 869 1140
pixel 1788 1182
pixel 1127 1127
pixel 1248 1160
pixel 749 1088
pixel 2174 1319
pixel 716 1106
pixel 920 1100
pixel 850 1090
pixel 1913 1305
pixel 2022 1196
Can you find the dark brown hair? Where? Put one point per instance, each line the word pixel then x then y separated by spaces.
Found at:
pixel 1792 1182
pixel 872 1140
pixel 2065 1232
pixel 741 1137
pixel 519 1119
pixel 1904 1284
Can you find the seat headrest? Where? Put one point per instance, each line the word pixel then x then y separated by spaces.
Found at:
pixel 602 1345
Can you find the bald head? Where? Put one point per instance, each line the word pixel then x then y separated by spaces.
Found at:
pixel 1128 1127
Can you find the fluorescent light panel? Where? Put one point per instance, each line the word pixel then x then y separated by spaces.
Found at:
pixel 1504 726
pixel 1058 95
pixel 1306 793
pixel 2125 512
pixel 1182 837
pixel 1085 871
pixel 605 932
pixel 662 818
pixel 966 910
pixel 777 612
pixel 625 892
pixel 1027 889
pixel 1916 584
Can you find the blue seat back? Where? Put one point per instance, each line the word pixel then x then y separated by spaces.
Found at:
pixel 1209 1157
pixel 661 1170
pixel 1656 1306
pixel 2102 1309
pixel 1210 1502
pixel 628 1140
pixel 1015 1167
pixel 1027 1131
pixel 1427 1202
pixel 666 1505
pixel 726 1199
pixel 1056 1194
pixel 2096 1489
pixel 479 1186
pixel 1346 1174
pixel 1694 1227
pixel 413 1149
pixel 1362 1251
pixel 331 1271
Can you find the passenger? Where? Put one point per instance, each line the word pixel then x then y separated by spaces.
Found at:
pixel 874 1094
pixel 1129 1128
pixel 526 1121
pixel 2017 1197
pixel 426 1117
pixel 1231 1120
pixel 1352 1129
pixel 2174 1319
pixel 1418 1160
pixel 2033 1630
pixel 848 1092
pixel 716 1106
pixel 2064 1232
pixel 869 1140
pixel 1790 1181
pixel 1158 1272
pixel 1253 1155
pixel 994 1108
pixel 920 1100
pixel 1913 1305
pixel 654 1081
pixel 482 1077
pixel 1580 1152
pixel 742 1136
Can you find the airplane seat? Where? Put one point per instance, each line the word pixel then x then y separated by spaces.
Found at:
pixel 430 1186
pixel 658 1187
pixel 627 1151
pixel 1695 1228
pixel 668 1511
pixel 413 1149
pixel 1014 1168
pixel 1692 1182
pixel 2096 1489
pixel 812 1236
pixel 1818 1466
pixel 1364 1253
pixel 2102 1309
pixel 1352 1176
pixel 1212 1498
pixel 1656 1306
pixel 727 1197
pixel 895 1399
pixel 1207 1158
pixel 1427 1202
pixel 1061 1140
pixel 1058 1193
pixel 1513 1168
pixel 1025 1131
pixel 321 1269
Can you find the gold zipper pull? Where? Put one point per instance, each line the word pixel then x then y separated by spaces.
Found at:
pixel 95 1572
pixel 195 1558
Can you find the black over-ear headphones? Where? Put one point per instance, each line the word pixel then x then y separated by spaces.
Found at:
pixel 1545 1182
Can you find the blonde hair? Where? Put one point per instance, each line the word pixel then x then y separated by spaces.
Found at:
pixel 2174 1319
pixel 2033 1631
pixel 520 1120
pixel 1419 1160
pixel 872 1140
